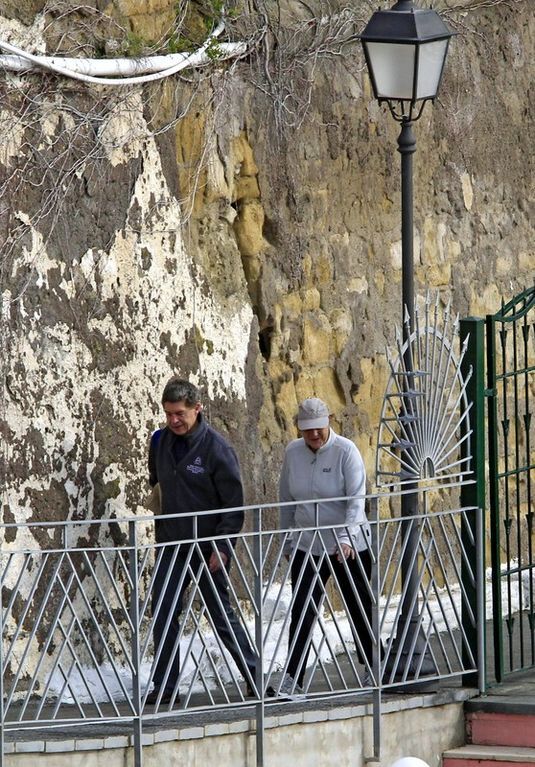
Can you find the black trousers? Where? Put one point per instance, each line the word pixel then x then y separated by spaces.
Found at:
pixel 309 576
pixel 175 572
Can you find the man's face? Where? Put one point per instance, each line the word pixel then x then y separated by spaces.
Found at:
pixel 181 418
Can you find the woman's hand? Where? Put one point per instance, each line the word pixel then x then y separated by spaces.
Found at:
pixel 346 552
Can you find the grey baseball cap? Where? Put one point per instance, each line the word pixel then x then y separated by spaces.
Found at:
pixel 313 413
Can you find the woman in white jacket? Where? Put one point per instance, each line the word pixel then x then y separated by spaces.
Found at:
pixel 323 465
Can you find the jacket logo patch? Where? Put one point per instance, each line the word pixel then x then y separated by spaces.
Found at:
pixel 327 470
pixel 195 469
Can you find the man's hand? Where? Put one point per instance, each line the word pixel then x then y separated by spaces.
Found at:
pixel 346 552
pixel 215 561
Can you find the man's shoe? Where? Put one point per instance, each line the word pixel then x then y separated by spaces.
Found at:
pixel 166 697
pixel 269 692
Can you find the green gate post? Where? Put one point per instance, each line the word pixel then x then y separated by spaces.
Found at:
pixel 473 494
pixel 495 532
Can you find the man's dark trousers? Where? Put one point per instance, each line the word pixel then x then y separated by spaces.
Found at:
pixel 177 566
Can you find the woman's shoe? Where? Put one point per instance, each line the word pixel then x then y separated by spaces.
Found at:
pixel 290 688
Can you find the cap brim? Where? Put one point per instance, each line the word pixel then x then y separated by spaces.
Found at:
pixel 314 423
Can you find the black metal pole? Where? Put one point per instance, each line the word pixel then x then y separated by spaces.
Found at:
pixel 409 501
pixel 407 147
pixel 409 659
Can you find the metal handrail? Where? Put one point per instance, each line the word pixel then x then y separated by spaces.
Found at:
pixel 77 620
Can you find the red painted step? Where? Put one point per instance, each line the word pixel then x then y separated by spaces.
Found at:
pixel 489 756
pixel 492 728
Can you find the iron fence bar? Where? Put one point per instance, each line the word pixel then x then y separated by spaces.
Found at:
pixel 114 587
pixel 398 540
pixel 529 467
pixel 472 332
pixel 508 520
pixel 259 639
pixel 137 721
pixel 354 590
pixel 308 562
pixel 469 586
pixel 481 617
pixel 506 375
pixel 377 648
pixel 522 469
pixel 448 589
pixel 49 638
pixel 202 571
pixel 279 560
pixel 157 607
pixel 495 526
pixel 110 618
pixel 517 485
pixel 70 644
pixel 27 609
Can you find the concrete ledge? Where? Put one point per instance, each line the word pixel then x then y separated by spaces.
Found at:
pixel 501 704
pixel 160 731
pixel 61 746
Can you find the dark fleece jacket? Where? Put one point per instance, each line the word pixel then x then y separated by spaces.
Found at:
pixel 198 472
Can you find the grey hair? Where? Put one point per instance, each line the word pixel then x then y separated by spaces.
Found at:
pixel 178 390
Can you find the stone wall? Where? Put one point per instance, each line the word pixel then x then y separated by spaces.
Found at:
pixel 181 228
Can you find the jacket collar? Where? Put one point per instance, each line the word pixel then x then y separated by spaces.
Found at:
pixel 196 435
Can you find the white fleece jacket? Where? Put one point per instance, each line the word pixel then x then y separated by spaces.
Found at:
pixel 336 470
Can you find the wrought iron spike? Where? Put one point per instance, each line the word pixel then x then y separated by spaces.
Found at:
pixel 401 444
pixel 408 394
pixel 412 373
pixel 406 418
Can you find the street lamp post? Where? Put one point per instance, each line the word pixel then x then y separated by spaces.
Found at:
pixel 405 50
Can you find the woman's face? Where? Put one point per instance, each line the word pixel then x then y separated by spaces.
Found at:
pixel 315 438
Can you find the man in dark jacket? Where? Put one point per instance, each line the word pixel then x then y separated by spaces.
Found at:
pixel 197 470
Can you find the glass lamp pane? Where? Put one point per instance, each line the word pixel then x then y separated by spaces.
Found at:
pixel 430 64
pixel 392 65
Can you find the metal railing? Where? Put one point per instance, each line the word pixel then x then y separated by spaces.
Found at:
pixel 510 348
pixel 79 613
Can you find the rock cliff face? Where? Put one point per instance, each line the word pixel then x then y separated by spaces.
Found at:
pixel 186 227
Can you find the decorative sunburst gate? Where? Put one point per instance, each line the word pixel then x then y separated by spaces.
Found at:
pixel 424 431
pixel 424 443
